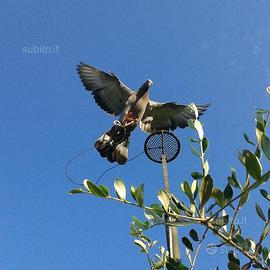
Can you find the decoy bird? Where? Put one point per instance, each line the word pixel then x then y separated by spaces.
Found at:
pixel 133 108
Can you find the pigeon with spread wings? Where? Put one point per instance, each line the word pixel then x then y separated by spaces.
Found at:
pixel 133 108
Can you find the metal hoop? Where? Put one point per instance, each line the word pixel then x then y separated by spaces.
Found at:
pixel 161 143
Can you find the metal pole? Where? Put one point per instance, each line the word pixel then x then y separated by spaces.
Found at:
pixel 171 232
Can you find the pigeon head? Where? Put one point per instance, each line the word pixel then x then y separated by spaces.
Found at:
pixel 148 83
pixel 144 88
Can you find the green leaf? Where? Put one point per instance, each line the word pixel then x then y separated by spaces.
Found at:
pixel 152 244
pixel 194 108
pixel 259 131
pixel 194 235
pixel 193 140
pixel 187 243
pixel 248 139
pixel 188 191
pixel 233 174
pixel 164 199
pixel 145 238
pixel 239 240
pixel 236 231
pixel 182 206
pixel 172 264
pixel 205 144
pixel 244 199
pixel 233 266
pixel 252 164
pixel 265 232
pixel 221 221
pixel 262 180
pixel 265 177
pixel 199 128
pixel 173 207
pixel 265 194
pixel 134 231
pixel 104 189
pixel 228 193
pixel 265 143
pixel 258 153
pixel 218 196
pixel 259 116
pixel 139 194
pixel 120 189
pixel 141 244
pixel 93 189
pixel 240 157
pixel 251 244
pixel 140 224
pixel 182 187
pixel 232 182
pixel 133 192
pixel 261 111
pixel 194 188
pixel 233 179
pixel 153 217
pixel 247 245
pixel 196 175
pixel 195 151
pixel 260 212
pixel 232 258
pixel 158 265
pixel 265 253
pixel 76 191
pixel 247 266
pixel 157 209
pixel 205 190
pixel 205 168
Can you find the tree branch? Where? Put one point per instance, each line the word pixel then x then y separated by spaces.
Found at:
pixel 198 248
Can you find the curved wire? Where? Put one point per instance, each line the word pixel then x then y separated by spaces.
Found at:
pixel 74 157
pixel 116 166
pixel 83 152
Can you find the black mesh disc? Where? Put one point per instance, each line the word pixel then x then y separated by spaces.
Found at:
pixel 162 143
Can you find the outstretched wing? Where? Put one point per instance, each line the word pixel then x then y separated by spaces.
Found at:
pixel 109 92
pixel 166 116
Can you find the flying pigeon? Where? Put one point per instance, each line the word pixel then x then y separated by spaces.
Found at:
pixel 133 108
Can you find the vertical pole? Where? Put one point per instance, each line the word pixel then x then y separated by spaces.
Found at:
pixel 171 232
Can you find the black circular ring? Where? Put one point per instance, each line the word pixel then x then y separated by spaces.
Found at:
pixel 161 143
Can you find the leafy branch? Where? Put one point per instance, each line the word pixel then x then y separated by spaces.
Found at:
pixel 199 193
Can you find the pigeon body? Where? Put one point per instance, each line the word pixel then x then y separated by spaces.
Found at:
pixel 133 108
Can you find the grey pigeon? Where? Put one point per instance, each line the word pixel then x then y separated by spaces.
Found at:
pixel 133 108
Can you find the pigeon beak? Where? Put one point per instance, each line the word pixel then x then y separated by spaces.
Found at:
pixel 149 83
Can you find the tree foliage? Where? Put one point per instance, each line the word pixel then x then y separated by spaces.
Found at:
pixel 212 207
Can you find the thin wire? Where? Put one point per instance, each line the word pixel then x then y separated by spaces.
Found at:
pixel 106 172
pixel 116 166
pixel 83 152
pixel 74 157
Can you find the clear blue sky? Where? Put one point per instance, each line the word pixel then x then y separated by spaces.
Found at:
pixel 194 51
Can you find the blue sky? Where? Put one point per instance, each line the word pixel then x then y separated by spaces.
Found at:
pixel 194 51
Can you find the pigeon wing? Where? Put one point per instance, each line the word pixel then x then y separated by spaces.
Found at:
pixel 109 92
pixel 168 116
